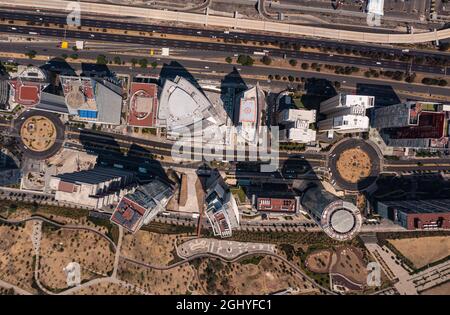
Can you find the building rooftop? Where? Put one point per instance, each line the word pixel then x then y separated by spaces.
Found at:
pixel 181 104
pixel 92 100
pixel 375 7
pixel 26 93
pixel 139 207
pixel 288 205
pixel 420 206
pixel 52 103
pixel 143 107
pixel 93 176
pixel 248 110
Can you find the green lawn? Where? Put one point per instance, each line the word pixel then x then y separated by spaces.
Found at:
pixel 239 193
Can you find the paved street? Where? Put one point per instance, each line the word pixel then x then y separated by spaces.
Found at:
pixel 228 22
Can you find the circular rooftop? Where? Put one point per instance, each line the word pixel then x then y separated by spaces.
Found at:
pixel 342 221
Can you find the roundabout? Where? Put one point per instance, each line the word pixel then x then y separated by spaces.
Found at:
pixel 41 134
pixel 354 164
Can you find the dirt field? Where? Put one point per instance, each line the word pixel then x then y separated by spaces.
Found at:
pixel 16 256
pixel 60 247
pixel 424 250
pixel 106 289
pixel 151 248
pixel 261 276
pixel 179 280
pixel 38 133
pixel 350 264
pixel 354 165
pixel 319 261
pixel 443 289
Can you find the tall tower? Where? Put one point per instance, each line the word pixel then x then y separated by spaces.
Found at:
pixel 340 220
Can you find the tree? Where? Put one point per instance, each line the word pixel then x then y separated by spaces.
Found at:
pixel 266 60
pixel 74 56
pixel 102 60
pixel 134 62
pixel 305 66
pixel 64 56
pixel 117 60
pixel 293 62
pixel 245 60
pixel 229 60
pixel 31 54
pixel 143 63
pixel 154 64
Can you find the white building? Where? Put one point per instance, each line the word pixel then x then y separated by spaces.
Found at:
pixel 346 113
pixel 375 7
pixel 92 100
pixel 143 205
pixel 248 121
pixel 94 188
pixel 221 207
pixel 297 123
pixel 183 109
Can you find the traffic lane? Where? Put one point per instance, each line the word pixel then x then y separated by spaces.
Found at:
pixel 213 33
pixel 310 56
pixel 415 161
pixel 416 168
pixel 349 84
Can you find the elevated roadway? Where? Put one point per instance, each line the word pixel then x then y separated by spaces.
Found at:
pixel 199 32
pixel 228 22
pixel 222 47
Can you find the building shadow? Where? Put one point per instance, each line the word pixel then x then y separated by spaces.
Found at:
pixel 254 181
pixel 231 86
pixel 317 91
pixel 95 70
pixel 409 187
pixel 384 94
pixel 133 158
pixel 59 66
pixel 173 69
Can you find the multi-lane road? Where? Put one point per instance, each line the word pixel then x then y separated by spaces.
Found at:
pixel 207 44
pixel 210 33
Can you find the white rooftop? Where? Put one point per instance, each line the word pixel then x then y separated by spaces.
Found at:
pixel 375 7
pixel 182 104
pixel 351 122
pixel 342 221
pixel 358 100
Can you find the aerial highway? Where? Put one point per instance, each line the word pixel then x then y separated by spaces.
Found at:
pixel 102 22
pixel 230 22
pixel 213 46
